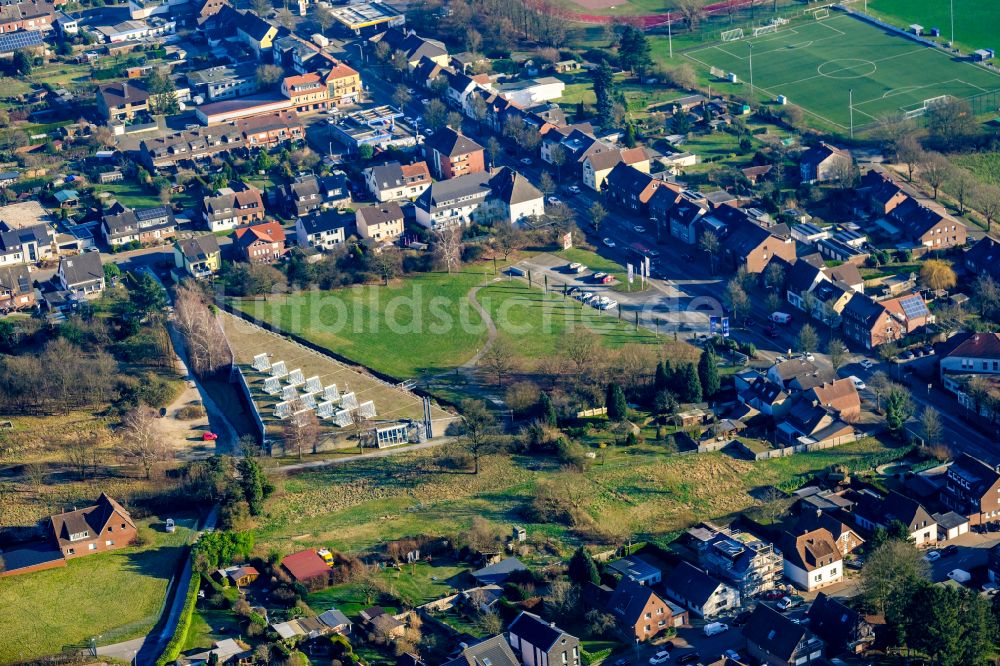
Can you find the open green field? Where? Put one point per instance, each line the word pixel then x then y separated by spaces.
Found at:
pixel 976 21
pixel 817 65
pixel 423 324
pixel 644 490
pixel 117 595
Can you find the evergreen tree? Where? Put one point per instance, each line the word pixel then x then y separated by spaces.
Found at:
pixel 604 89
pixel 582 569
pixel 630 137
pixel 661 381
pixel 633 51
pixel 616 404
pixel 708 372
pixel 581 112
pixel 547 411
pixel 253 485
pixel 688 384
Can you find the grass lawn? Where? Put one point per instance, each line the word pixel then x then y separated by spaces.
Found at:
pixel 209 626
pixel 643 490
pixel 537 322
pixel 117 594
pixel 134 196
pixel 985 166
pixel 348 599
pixel 638 97
pixel 975 22
pixel 597 263
pixel 817 63
pixel 419 325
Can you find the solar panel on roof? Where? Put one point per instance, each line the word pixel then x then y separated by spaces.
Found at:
pixel 20 40
pixel 914 307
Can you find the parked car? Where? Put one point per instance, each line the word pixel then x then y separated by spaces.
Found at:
pixel 866 364
pixel 170 526
pixel 608 242
pixel 660 657
pixel 949 550
pixel 639 229
pixel 689 658
pixel 425 101
pixel 932 556
pixel 907 355
pixel 771 595
pixel 714 628
pixel 574 267
pixel 928 350
pixel 586 296
pixel 574 189
pixel 787 603
pixel 554 200
pixel 858 382
pixel 209 437
pixel 572 290
pixel 960 576
pixel 780 317
pixel 526 161
pixel 732 654
pixel 600 275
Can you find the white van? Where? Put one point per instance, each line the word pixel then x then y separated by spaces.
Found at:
pixel 780 317
pixel 714 628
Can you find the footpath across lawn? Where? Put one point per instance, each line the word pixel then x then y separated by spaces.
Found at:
pixel 116 595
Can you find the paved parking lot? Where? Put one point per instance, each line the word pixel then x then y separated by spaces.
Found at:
pixel 973 551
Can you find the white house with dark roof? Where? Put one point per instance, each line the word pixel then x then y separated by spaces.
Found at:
pixel 324 231
pixel 700 593
pixel 82 274
pixel 540 643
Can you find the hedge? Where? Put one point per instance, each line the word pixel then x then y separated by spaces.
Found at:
pixel 594 657
pixel 173 649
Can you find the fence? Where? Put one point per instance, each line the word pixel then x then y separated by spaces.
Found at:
pixel 245 390
pixel 781 452
pixel 597 411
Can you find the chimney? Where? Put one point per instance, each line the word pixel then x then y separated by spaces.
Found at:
pixel 125 90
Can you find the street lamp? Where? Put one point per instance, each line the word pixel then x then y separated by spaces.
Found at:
pixel 750 47
pixel 850 105
pixel 952 23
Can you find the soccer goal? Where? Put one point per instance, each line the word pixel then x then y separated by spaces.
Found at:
pixel 732 35
pixel 765 30
pixel 821 13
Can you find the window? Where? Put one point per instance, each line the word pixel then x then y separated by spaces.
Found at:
pixel 92 546
pixel 71 551
pixel 109 542
pixel 648 615
pixel 833 571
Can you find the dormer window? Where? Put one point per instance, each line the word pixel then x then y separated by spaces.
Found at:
pixel 76 536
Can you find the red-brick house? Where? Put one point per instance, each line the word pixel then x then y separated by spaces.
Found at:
pixel 306 566
pixel 93 529
pixel 869 324
pixel 641 613
pixel 882 193
pixel 451 154
pixel 632 188
pixel 260 243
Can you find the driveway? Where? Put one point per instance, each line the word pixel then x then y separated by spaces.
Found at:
pixel 973 553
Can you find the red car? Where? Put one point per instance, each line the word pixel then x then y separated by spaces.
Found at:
pixel 771 595
pixel 209 437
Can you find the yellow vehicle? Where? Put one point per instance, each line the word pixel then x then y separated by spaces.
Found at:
pixel 326 555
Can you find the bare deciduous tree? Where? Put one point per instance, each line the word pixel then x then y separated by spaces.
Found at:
pixel 500 358
pixel 140 443
pixel 207 347
pixel 936 170
pixel 448 247
pixel 301 429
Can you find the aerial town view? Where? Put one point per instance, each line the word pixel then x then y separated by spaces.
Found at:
pixel 499 332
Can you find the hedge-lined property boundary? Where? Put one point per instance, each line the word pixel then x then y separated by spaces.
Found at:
pixel 173 649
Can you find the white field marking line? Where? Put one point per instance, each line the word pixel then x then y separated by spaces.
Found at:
pixel 911 89
pixel 769 92
pixel 824 76
pixel 971 85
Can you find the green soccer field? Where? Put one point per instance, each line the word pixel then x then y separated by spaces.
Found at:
pixel 818 64
pixel 976 21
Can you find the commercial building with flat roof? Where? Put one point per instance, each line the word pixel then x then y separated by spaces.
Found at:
pixel 368 17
